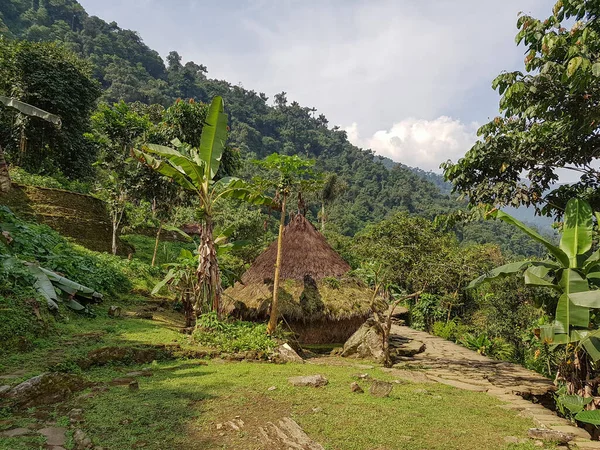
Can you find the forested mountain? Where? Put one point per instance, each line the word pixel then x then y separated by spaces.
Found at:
pixel 129 70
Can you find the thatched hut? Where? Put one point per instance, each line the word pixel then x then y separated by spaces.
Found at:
pixel 317 299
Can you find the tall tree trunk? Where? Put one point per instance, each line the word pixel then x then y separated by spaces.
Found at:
pixel 322 217
pixel 274 312
pixel 115 227
pixel 209 277
pixel 156 244
pixel 5 183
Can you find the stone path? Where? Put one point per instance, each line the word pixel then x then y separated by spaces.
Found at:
pixel 449 363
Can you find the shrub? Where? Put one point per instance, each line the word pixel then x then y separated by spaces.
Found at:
pixel 452 330
pixel 496 348
pixel 232 336
pixel 425 312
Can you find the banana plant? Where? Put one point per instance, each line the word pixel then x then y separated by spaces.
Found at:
pixel 574 273
pixel 195 169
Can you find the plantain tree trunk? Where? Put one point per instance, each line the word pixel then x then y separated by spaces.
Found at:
pixel 322 217
pixel 5 183
pixel 273 316
pixel 156 244
pixel 209 278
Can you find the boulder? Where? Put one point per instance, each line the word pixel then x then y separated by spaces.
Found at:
pixel 45 389
pixel 287 434
pixel 409 349
pixel 287 354
pixel 310 380
pixel 366 342
pixel 354 387
pixel 380 388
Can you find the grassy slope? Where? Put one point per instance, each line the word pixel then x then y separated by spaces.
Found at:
pixel 180 405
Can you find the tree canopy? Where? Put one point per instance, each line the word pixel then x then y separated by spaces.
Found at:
pixel 549 118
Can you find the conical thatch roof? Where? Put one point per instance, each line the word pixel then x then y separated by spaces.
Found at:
pixel 314 284
pixel 305 252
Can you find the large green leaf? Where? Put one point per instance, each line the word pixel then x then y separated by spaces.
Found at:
pixel 577 230
pixel 66 285
pixel 559 254
pixel 213 138
pixel 587 299
pixel 574 403
pixel 30 110
pixel 509 269
pixel 161 284
pixel 179 161
pixel 568 314
pixel 538 276
pixel 591 343
pixel 44 286
pixel 165 169
pixel 591 417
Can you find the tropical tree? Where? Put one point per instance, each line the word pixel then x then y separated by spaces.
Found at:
pixel 28 110
pixel 574 272
pixel 195 169
pixel 292 173
pixel 549 118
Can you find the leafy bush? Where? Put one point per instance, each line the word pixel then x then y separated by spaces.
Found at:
pixel 332 282
pixel 494 348
pixel 232 336
pixel 452 330
pixel 425 312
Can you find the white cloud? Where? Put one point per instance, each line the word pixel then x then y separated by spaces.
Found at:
pixel 419 143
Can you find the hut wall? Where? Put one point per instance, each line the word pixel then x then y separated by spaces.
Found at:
pixel 326 331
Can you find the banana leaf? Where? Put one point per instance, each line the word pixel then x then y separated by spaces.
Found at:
pixel 44 286
pixel 213 138
pixel 576 238
pixel 557 252
pixel 30 110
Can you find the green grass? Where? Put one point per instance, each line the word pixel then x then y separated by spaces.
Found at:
pixel 182 403
pixel 179 407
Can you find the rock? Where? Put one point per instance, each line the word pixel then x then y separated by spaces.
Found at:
pixel 362 376
pixel 544 434
pixel 337 351
pixel 287 354
pixel 287 434
pixel 219 426
pixel 409 349
pixel 317 409
pixel 122 381
pixel 4 389
pixel 16 432
pixel 76 415
pixel 380 388
pixel 366 342
pixel 114 311
pixel 143 315
pixel 54 435
pixel 272 388
pixel 45 389
pixel 310 380
pixel 81 440
pixel 134 386
pixel 354 387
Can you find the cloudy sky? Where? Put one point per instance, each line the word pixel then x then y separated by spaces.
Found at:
pixel 409 79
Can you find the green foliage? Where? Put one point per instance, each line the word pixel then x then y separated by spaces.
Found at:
pixel 425 311
pixel 548 119
pixel 482 344
pixel 572 274
pixel 56 180
pixel 451 330
pixel 332 282
pixel 232 336
pixel 49 77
